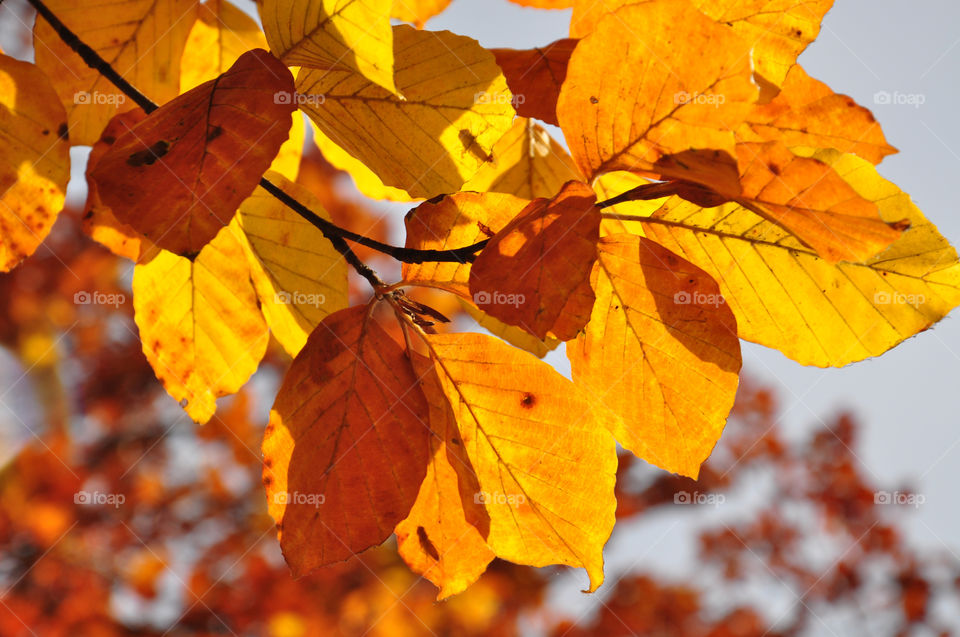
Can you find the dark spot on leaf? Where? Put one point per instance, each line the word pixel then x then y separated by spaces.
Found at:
pixel 774 169
pixel 427 544
pixel 267 481
pixel 46 131
pixel 268 462
pixel 63 132
pixel 455 441
pixel 594 100
pixel 528 400
pixel 214 133
pixel 108 139
pixel 147 156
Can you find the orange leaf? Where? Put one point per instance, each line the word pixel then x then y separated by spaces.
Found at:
pixel 626 104
pixel 99 221
pixel 441 538
pixel 347 446
pixel 809 199
pixel 179 175
pixel 535 273
pixel 457 220
pixel 807 113
pixel 672 374
pixel 535 76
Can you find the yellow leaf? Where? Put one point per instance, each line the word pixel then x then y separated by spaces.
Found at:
pixel 142 39
pixel 661 351
pixel 418 12
pixel 439 135
pixel 34 160
pixel 347 445
pixel 608 186
pixel 199 324
pixel 299 277
pixel 363 178
pixel 220 35
pixel 441 537
pixel 786 297
pixel 640 109
pixel 516 336
pixel 527 162
pixel 354 36
pixel 543 457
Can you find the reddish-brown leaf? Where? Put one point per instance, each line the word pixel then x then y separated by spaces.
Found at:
pixel 179 175
pixel 535 76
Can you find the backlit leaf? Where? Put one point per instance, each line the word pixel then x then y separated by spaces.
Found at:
pixel 661 351
pixel 639 109
pixel 438 136
pixel 527 162
pixel 143 40
pixel 34 159
pixel 441 538
pixel 535 272
pixel 299 277
pixel 353 35
pixel 786 297
pixel 542 454
pixel 347 445
pixel 220 35
pixel 535 77
pixel 179 175
pixel 199 323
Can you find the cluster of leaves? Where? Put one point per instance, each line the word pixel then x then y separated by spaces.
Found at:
pixel 741 201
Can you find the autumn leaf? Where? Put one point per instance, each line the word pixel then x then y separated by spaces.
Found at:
pixel 142 39
pixel 347 447
pixel 813 202
pixel 806 113
pixel 418 12
pixel 363 178
pixel 672 376
pixel 535 272
pixel 443 536
pixel 200 327
pixel 220 35
pixel 786 297
pixel 435 138
pixel 34 160
pixel 777 31
pixel 527 162
pixel 299 277
pixel 332 35
pixel 99 222
pixel 535 76
pixel 179 175
pixel 640 110
pixel 543 459
pixel 457 220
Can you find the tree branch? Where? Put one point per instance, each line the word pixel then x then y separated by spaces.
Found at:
pixel 330 230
